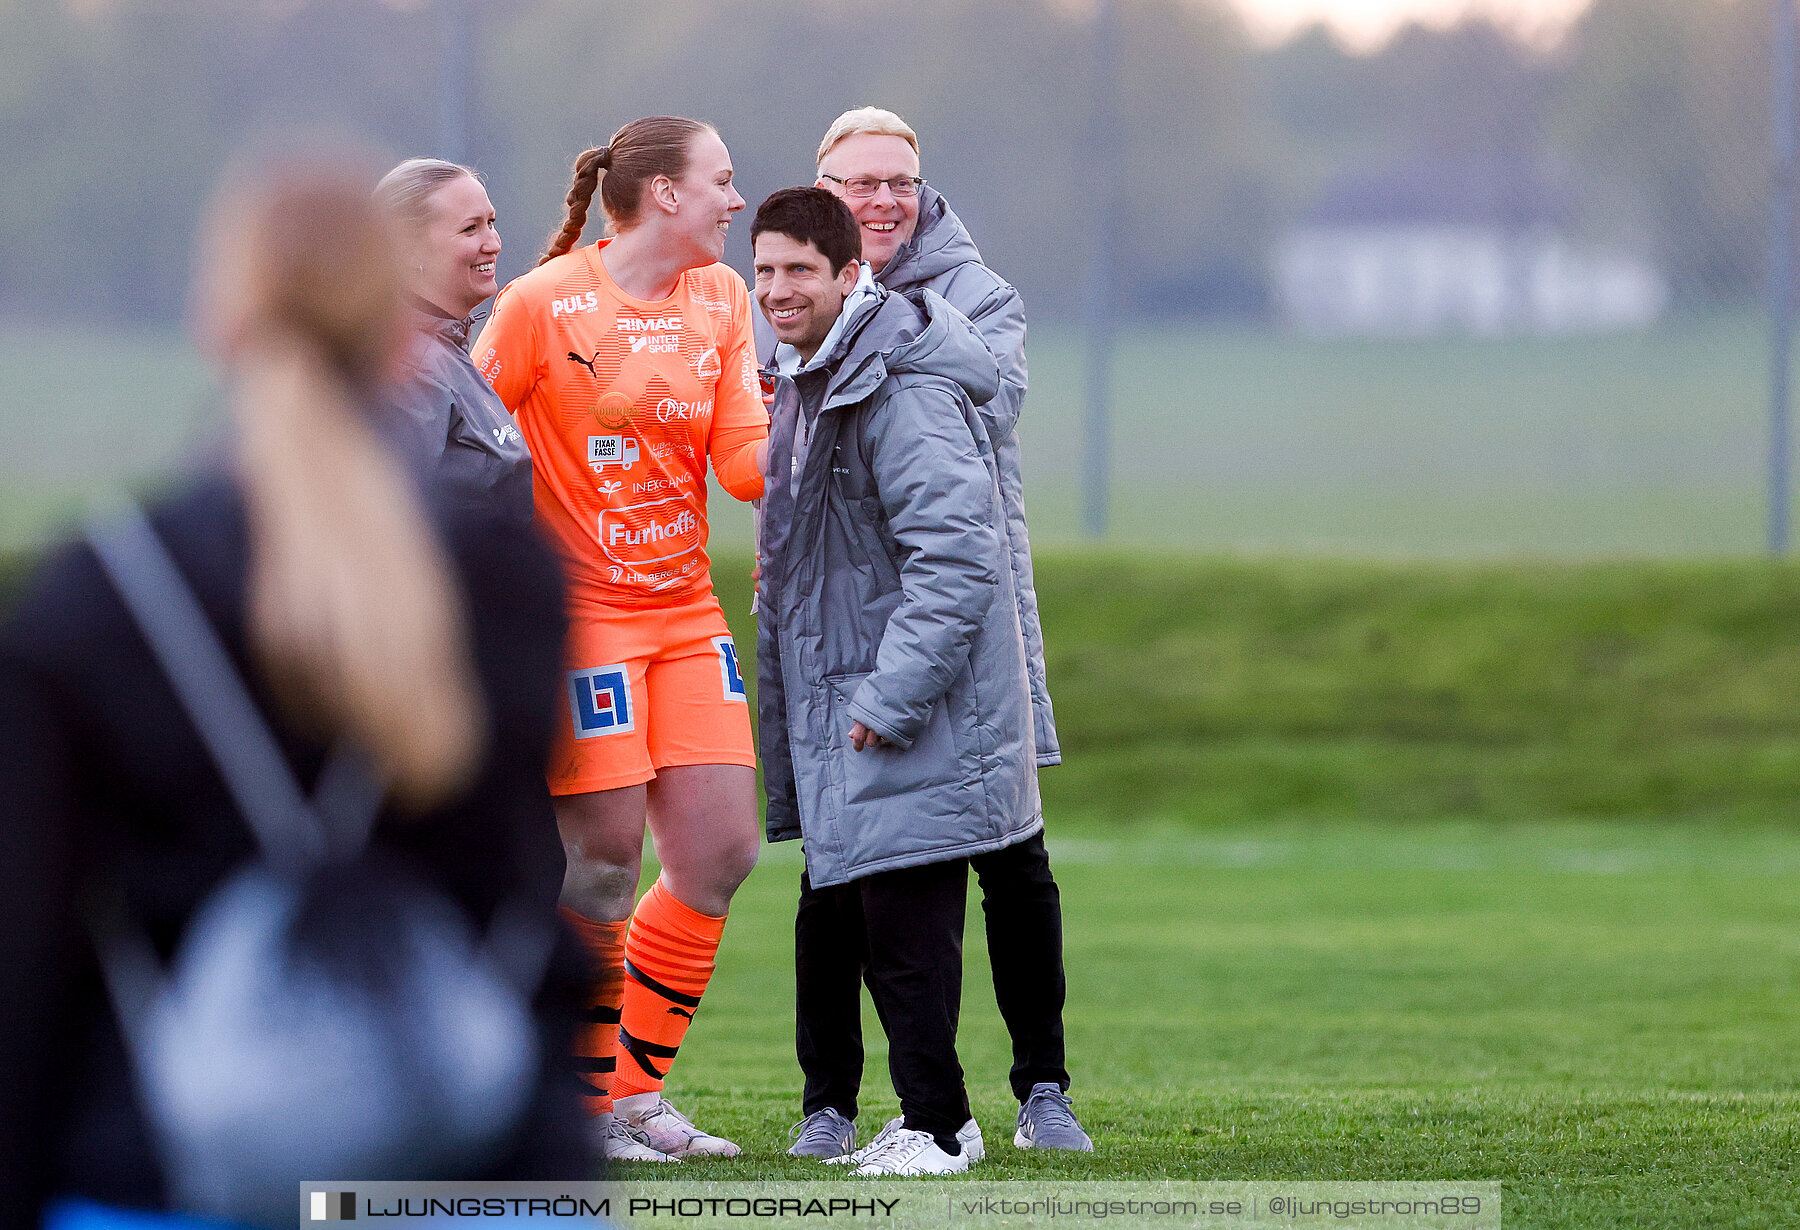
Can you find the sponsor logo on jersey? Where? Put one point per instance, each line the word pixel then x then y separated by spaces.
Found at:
pixel 589 302
pixel 656 343
pixel 707 366
pixel 603 451
pixel 670 410
pixel 490 365
pixel 728 668
pixel 651 486
pixel 600 701
pixel 613 410
pixel 642 534
pixel 503 434
pixel 647 324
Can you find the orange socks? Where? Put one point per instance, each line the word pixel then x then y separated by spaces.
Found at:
pixel 669 954
pixel 596 1040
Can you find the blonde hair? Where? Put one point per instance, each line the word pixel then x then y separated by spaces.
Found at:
pixel 352 615
pixel 866 119
pixel 406 191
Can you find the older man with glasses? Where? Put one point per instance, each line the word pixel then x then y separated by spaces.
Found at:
pixel 911 239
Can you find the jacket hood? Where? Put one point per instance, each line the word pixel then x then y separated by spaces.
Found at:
pixel 939 244
pixel 893 334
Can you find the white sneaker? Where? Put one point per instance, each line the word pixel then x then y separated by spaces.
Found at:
pixel 970 1136
pixel 617 1143
pixel 651 1119
pixel 904 1152
pixel 862 1154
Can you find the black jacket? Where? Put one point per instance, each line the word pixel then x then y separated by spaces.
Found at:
pixel 102 772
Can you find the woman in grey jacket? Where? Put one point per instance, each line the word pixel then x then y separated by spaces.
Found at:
pixel 449 423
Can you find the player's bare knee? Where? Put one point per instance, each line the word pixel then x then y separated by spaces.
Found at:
pixel 736 862
pixel 598 890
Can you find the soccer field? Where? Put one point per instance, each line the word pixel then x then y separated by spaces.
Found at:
pixel 1269 980
pixel 1600 1017
pixel 1646 444
pixel 1371 870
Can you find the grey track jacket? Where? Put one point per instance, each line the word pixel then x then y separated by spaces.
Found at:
pixel 887 598
pixel 453 430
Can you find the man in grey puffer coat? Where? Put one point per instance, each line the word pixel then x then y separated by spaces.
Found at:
pixel 914 241
pixel 893 700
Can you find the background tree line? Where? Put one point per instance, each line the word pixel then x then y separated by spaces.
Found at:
pixel 116 116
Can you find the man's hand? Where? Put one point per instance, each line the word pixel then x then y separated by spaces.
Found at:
pixel 861 736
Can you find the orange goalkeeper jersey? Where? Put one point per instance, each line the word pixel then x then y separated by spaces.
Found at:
pixel 621 402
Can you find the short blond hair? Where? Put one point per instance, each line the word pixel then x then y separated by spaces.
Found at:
pixel 866 119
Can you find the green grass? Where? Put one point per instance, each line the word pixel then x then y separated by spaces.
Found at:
pixel 86 409
pixel 1638 443
pixel 1600 1017
pixel 1220 691
pixel 1373 871
pixel 1370 871
pixel 1223 439
pixel 1399 870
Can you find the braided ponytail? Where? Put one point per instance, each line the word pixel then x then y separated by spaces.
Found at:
pixel 587 178
pixel 637 154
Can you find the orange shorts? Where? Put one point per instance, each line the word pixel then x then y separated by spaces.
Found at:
pixel 646 689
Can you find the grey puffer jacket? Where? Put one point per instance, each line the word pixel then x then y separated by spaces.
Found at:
pixel 453 430
pixel 886 598
pixel 940 256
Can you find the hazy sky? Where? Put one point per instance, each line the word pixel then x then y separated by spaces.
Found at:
pixel 1365 22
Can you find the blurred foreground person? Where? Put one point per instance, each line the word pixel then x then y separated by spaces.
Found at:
pixel 893 702
pixel 630 365
pixel 362 633
pixel 869 159
pixel 447 419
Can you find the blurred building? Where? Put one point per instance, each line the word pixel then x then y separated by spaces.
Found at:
pixel 1433 247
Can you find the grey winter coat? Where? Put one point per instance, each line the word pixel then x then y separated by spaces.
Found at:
pixel 940 256
pixel 886 598
pixel 452 428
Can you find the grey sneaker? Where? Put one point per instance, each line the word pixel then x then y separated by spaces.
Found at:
pixel 1047 1121
pixel 824 1134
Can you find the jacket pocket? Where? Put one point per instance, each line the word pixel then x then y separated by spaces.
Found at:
pixel 887 772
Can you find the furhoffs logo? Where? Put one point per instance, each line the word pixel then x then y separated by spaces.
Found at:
pixel 333 1206
pixel 650 533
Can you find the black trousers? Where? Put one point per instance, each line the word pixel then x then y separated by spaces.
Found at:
pixel 902 931
pixel 1023 911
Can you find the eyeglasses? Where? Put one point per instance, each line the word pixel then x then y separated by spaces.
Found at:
pixel 862 185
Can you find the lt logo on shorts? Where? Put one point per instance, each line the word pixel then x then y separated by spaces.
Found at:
pixel 728 668
pixel 600 701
